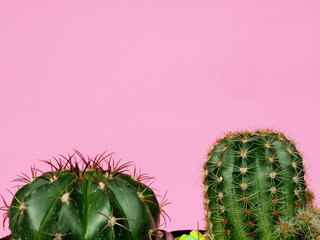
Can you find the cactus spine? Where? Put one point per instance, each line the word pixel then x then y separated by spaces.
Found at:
pixel 251 181
pixel 84 203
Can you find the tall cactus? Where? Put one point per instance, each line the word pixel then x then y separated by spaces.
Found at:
pixel 251 181
pixel 84 203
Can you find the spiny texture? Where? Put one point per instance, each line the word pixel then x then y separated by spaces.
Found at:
pixel 89 202
pixel 252 179
pixel 304 225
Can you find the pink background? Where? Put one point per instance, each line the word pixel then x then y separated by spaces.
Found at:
pixel 156 82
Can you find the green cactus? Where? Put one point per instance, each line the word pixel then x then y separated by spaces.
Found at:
pixel 252 180
pixel 84 203
pixel 304 225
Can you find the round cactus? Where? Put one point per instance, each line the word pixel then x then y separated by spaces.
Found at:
pixel 305 225
pixel 87 202
pixel 251 181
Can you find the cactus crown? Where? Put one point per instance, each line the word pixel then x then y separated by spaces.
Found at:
pixel 80 199
pixel 252 180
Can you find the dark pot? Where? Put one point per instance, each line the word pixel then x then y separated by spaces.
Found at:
pixel 6 238
pixel 174 234
pixel 181 232
pixel 167 235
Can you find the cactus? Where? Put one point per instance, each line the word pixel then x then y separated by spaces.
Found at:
pixel 252 180
pixel 82 200
pixel 304 225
